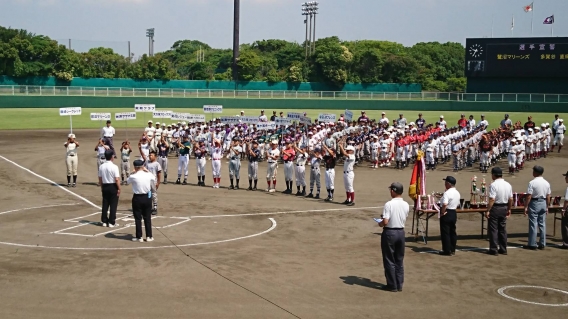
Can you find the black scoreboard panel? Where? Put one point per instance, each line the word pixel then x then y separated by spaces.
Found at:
pixel 517 57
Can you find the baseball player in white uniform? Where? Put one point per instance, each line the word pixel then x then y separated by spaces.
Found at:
pixel 272 160
pixel 216 156
pixel 71 159
pixel 559 137
pixel 348 174
pixel 301 160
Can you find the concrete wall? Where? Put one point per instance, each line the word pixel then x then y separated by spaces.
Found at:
pixel 128 102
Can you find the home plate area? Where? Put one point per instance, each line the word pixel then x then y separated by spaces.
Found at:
pixel 88 228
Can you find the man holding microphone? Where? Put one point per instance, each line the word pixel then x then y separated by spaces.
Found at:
pixel 143 184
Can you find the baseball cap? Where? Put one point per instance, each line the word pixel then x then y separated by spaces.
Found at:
pixel 451 180
pixel 275 142
pixel 383 113
pixel 441 116
pixel 108 122
pixel 397 188
pixel 138 163
pixel 150 121
pixel 497 171
pixel 350 148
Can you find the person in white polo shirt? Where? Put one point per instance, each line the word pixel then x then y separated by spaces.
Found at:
pixel 142 182
pixel 448 217
pixel 394 217
pixel 565 217
pixel 498 210
pixel 536 208
pixel 109 179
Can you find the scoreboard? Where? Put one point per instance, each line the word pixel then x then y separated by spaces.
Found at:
pixel 517 57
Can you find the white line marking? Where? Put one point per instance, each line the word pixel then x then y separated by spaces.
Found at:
pixel 74 220
pixel 291 212
pixel 52 182
pixel 465 249
pixel 502 290
pixel 150 247
pixel 172 225
pixel 74 234
pixel 113 230
pixel 39 207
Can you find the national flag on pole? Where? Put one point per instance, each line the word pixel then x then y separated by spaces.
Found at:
pixel 529 8
pixel 549 20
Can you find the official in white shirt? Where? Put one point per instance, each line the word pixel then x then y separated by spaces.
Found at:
pixel 142 182
pixel 565 217
pixel 107 133
pixel 394 217
pixel 109 179
pixel 448 217
pixel 498 210
pixel 536 207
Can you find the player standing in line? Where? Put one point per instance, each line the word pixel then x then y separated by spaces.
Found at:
pixel 107 133
pixel 288 155
pixel 315 173
pixel 101 148
pixel 163 150
pixel 559 136
pixel 348 174
pixel 157 136
pixel 234 156
pixel 253 157
pixel 183 159
pixel 144 148
pixel 301 159
pixel 430 146
pixel 272 160
pixel 200 151
pixel 156 169
pixel 71 159
pixel 512 156
pixel 125 151
pixel 216 156
pixel 329 160
pixel 375 146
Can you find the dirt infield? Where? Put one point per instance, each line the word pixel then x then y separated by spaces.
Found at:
pixel 220 253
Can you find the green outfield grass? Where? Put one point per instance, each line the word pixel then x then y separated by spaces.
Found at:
pixel 26 119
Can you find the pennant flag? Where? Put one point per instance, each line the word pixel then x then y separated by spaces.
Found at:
pixel 418 180
pixel 529 8
pixel 549 20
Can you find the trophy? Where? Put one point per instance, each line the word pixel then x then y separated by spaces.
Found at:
pixel 483 194
pixel 473 193
pixel 424 202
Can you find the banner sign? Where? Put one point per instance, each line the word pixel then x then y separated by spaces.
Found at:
pixel 144 107
pixel 212 108
pixel 348 116
pixel 249 119
pixel 327 118
pixel 306 120
pixel 262 126
pixel 162 114
pixel 283 121
pixel 294 116
pixel 125 116
pixel 230 119
pixel 69 111
pixel 100 116
pixel 197 118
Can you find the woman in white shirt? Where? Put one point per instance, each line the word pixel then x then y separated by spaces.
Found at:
pixel 72 159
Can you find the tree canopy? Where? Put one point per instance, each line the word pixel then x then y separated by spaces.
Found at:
pixel 437 66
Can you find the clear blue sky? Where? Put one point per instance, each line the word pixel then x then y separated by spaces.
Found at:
pixel 210 21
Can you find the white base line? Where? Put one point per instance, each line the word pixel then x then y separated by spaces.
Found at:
pixel 52 182
pixel 39 207
pixel 149 247
pixel 291 212
pixel 479 249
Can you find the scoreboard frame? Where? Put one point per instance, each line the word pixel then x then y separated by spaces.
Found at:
pixel 516 57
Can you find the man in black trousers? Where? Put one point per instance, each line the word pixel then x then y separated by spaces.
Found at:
pixel 498 210
pixel 109 179
pixel 143 184
pixel 448 217
pixel 394 217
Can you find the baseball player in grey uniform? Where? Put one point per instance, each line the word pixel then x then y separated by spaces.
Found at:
pixel 125 151
pixel 234 156
pixel 155 168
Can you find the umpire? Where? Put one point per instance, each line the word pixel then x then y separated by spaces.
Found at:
pixel 142 182
pixel 109 179
pixel 394 217
pixel 498 210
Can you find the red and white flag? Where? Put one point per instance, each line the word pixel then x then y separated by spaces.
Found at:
pixel 529 8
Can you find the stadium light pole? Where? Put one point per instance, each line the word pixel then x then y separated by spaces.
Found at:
pixel 150 35
pixel 314 12
pixel 236 23
pixel 305 14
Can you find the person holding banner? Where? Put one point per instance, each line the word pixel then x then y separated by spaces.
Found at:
pixel 234 156
pixel 348 174
pixel 107 133
pixel 72 159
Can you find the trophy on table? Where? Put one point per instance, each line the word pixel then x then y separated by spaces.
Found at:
pixel 483 194
pixel 473 192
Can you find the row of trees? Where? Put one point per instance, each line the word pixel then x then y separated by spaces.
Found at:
pixel 437 66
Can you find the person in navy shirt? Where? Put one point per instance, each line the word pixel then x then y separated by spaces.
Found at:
pixel 420 121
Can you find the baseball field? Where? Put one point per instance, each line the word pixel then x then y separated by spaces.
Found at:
pixel 223 253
